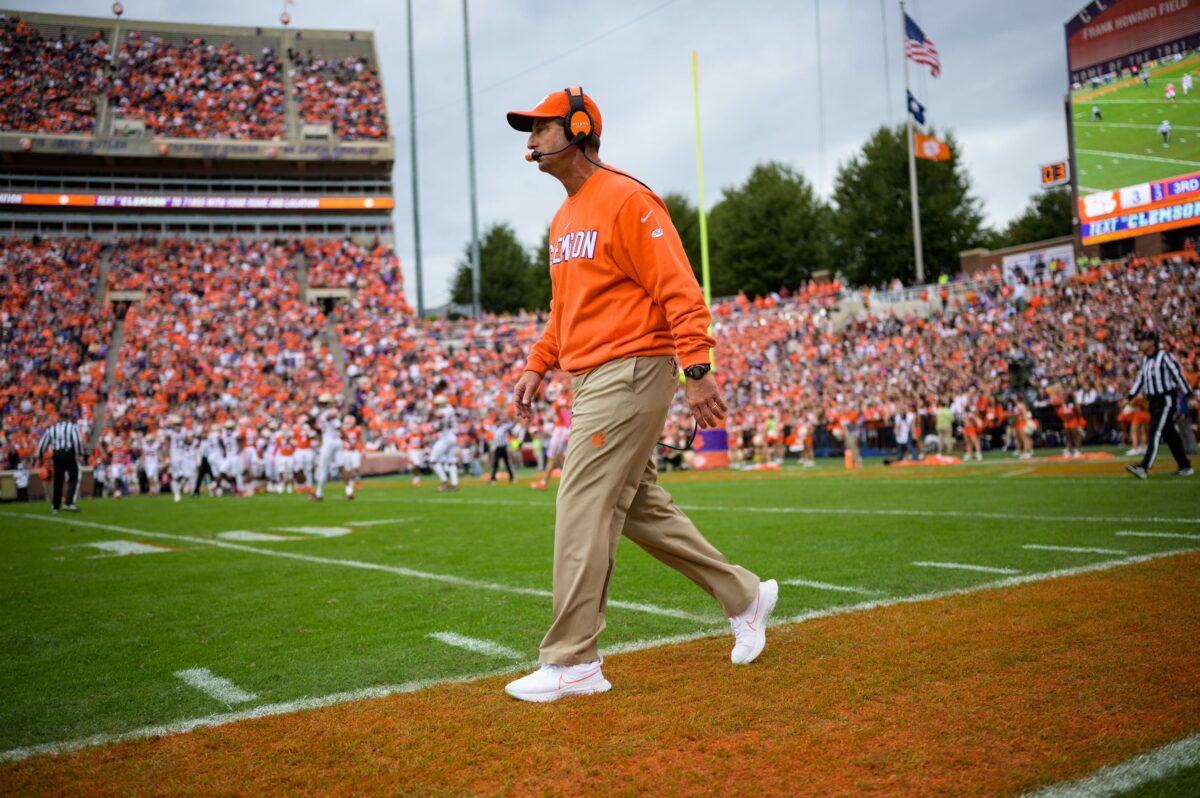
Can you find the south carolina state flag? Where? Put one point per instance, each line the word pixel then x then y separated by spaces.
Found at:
pixel 929 148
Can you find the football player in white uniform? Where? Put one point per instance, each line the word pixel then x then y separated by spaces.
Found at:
pixel 177 453
pixel 285 459
pixel 191 461
pixel 329 422
pixel 152 461
pixel 305 457
pixel 352 444
pixel 445 448
pixel 231 465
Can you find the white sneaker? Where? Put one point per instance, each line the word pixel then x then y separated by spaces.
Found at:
pixel 750 628
pixel 552 682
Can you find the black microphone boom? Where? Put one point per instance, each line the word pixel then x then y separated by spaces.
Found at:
pixel 534 155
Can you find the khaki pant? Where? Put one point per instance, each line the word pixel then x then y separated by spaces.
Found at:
pixel 609 489
pixel 945 440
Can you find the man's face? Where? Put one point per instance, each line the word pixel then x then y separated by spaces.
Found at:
pixel 547 136
pixel 1147 347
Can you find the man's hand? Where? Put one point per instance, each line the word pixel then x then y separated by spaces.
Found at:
pixel 524 391
pixel 704 400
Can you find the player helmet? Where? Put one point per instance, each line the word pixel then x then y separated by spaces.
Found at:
pixel 348 421
pixel 231 424
pixel 325 399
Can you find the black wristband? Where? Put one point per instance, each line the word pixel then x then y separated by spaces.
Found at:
pixel 697 371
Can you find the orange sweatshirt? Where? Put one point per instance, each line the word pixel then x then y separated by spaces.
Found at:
pixel 622 283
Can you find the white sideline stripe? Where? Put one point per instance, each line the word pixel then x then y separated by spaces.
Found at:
pixel 367 566
pixel 1127 533
pixel 1130 774
pixel 1131 156
pixel 960 566
pixel 1076 549
pixel 283 708
pixel 827 586
pixel 217 687
pixel 1018 472
pixel 1095 519
pixel 476 645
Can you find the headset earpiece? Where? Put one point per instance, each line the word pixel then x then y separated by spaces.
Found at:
pixel 578 122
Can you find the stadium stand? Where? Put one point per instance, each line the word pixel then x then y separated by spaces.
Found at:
pixel 198 90
pixel 221 334
pixel 230 266
pixel 346 91
pixel 50 84
pixel 54 333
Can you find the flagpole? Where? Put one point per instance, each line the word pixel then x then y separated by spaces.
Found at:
pixel 912 161
pixel 701 213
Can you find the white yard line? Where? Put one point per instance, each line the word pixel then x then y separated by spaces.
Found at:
pixel 124 548
pixel 1130 774
pixel 283 708
pixel 398 570
pixel 1018 472
pixel 960 566
pixel 970 515
pixel 475 644
pixel 827 586
pixel 214 686
pixel 1131 156
pixel 1075 549
pixel 378 522
pixel 1131 534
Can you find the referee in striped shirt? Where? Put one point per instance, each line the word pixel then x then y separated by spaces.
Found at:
pixel 1162 380
pixel 63 440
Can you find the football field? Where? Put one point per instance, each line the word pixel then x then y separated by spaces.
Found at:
pixel 978 629
pixel 1124 148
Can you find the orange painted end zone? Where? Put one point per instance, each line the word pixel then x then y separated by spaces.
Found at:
pixel 987 694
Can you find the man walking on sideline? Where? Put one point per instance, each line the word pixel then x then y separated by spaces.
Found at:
pixel 626 313
pixel 63 440
pixel 1161 379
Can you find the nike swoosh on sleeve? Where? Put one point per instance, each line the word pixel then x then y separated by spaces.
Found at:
pixel 647 216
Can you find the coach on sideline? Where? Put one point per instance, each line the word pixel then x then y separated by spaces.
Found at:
pixel 63 440
pixel 1163 382
pixel 626 311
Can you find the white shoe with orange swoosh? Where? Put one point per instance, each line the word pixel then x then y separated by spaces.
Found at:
pixel 551 682
pixel 750 627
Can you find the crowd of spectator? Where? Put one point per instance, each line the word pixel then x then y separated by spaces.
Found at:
pixel 221 334
pixel 224 334
pixel 345 93
pixel 54 335
pixel 49 84
pixel 189 89
pixel 198 89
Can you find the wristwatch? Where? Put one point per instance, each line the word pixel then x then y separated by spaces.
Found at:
pixel 697 371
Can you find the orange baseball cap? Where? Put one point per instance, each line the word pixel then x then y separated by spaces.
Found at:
pixel 555 105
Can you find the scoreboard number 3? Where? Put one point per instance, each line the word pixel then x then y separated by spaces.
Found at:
pixel 1055 174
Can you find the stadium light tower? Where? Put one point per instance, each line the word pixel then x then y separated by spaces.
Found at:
pixel 475 304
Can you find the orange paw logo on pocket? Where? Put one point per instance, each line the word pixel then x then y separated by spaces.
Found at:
pixel 599 439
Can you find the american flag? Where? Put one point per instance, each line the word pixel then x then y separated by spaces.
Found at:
pixel 919 48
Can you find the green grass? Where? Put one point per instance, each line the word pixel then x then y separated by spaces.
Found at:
pixel 1129 135
pixel 90 644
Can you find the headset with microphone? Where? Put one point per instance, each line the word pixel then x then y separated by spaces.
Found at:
pixel 577 125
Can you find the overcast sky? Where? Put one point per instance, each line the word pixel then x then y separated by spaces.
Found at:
pixel 1000 92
